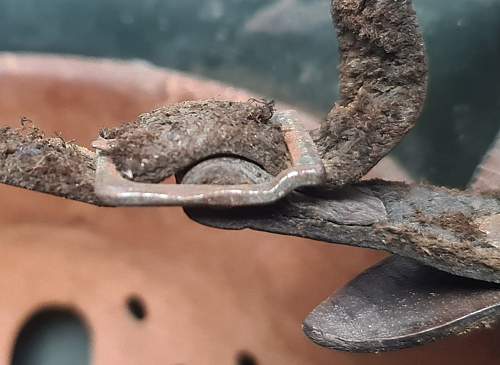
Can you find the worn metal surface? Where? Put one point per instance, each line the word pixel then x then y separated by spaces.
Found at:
pixel 306 170
pixel 406 303
pixel 401 303
pixel 383 77
pixel 436 226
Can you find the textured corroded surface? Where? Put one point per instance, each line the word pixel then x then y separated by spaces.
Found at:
pixel 422 221
pixel 51 165
pixel 435 226
pixel 439 227
pixel 60 252
pixel 405 304
pixel 383 77
pixel 383 86
pixel 171 139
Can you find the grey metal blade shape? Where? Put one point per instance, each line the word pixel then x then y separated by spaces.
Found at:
pixel 401 303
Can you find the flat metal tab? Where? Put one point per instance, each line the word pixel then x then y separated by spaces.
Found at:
pixel 307 170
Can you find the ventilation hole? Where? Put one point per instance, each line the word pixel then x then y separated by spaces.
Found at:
pixel 245 358
pixel 136 308
pixel 53 337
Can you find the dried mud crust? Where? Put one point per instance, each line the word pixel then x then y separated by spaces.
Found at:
pixel 30 160
pixel 171 139
pixel 383 79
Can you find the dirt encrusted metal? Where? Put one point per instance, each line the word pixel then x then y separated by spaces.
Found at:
pixel 171 139
pixel 31 160
pixel 414 221
pixel 383 81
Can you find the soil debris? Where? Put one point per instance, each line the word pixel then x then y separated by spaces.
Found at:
pixel 461 225
pixel 173 138
pixel 32 161
pixel 383 79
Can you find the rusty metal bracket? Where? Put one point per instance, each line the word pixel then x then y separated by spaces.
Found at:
pixel 306 170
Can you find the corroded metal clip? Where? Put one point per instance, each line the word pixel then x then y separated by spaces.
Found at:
pixel 306 170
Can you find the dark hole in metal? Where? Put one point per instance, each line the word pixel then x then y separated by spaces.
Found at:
pixel 246 358
pixel 136 308
pixel 53 336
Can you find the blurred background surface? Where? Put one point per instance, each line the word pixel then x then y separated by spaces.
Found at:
pixel 71 273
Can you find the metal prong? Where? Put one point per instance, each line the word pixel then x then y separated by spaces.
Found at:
pixel 307 170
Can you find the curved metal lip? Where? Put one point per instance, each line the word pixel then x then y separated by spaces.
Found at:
pixel 410 339
pixel 306 170
pixel 432 320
